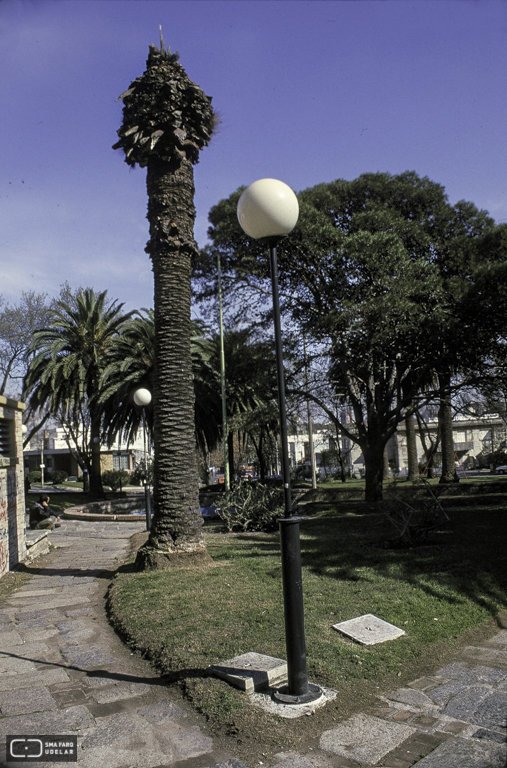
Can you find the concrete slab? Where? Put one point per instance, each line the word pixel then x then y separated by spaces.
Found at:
pixel 265 701
pixel 368 630
pixel 364 738
pixel 252 672
pixel 21 702
pixel 465 753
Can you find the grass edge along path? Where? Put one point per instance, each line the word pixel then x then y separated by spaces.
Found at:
pixel 443 595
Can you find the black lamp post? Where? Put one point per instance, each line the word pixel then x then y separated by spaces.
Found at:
pixel 267 210
pixel 142 398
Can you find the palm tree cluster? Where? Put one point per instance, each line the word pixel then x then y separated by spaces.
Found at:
pixel 68 359
pixel 86 365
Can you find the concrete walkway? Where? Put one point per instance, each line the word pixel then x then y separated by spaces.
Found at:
pixel 64 671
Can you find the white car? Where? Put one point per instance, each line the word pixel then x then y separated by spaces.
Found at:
pixel 502 470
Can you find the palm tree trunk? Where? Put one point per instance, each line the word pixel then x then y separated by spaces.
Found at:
pixel 176 533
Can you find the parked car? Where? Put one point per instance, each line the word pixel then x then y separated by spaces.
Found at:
pixel 501 470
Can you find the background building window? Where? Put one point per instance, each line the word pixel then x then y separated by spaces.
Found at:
pixel 121 461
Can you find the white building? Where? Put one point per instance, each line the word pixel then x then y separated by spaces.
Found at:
pixel 50 448
pixel 474 437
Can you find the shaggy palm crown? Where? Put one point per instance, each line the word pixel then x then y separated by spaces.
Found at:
pixel 164 114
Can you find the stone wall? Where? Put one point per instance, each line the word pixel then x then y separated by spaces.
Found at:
pixel 12 490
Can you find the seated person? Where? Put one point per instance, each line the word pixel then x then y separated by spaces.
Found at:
pixel 42 516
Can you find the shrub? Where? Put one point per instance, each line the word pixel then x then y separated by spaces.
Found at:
pixel 35 476
pixel 137 476
pixel 116 478
pixel 58 476
pixel 253 507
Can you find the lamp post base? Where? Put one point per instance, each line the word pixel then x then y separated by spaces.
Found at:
pixel 284 697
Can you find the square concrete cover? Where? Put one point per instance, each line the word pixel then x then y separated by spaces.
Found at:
pixel 368 630
pixel 252 671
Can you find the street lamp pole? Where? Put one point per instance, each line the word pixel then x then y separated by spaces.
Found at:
pixel 268 210
pixel 142 398
pixel 227 478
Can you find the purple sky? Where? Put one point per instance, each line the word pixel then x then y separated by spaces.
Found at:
pixel 308 92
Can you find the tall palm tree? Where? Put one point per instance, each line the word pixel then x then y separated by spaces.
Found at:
pixel 68 358
pixel 167 120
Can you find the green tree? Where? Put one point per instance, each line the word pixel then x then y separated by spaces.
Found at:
pixel 167 120
pixel 379 272
pixel 250 382
pixel 67 361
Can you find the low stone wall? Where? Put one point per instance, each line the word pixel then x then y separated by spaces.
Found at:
pixel 111 509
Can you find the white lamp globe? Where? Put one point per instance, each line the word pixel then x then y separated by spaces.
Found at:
pixel 142 397
pixel 24 429
pixel 268 208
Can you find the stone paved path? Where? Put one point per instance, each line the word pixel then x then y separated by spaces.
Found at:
pixel 64 671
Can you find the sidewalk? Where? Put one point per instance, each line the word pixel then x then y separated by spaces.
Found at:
pixel 64 671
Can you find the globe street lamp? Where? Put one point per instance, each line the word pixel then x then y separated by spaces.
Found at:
pixel 142 398
pixel 267 210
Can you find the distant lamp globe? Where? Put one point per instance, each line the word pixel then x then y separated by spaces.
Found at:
pixel 268 209
pixel 142 397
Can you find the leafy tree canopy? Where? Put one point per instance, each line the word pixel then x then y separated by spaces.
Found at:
pixel 381 271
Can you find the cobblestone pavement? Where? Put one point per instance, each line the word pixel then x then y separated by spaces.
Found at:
pixel 64 671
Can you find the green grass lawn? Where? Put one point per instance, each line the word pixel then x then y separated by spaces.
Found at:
pixel 185 620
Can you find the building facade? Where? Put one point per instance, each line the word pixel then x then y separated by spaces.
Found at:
pixel 48 450
pixel 474 438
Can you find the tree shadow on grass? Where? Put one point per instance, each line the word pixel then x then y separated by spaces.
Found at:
pixel 469 558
